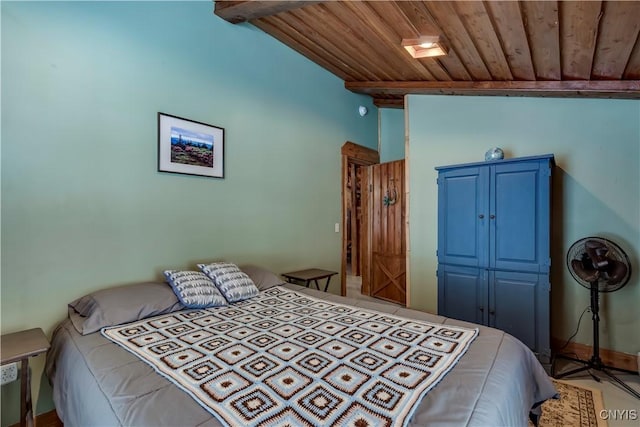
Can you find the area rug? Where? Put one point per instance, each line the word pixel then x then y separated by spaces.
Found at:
pixel 577 407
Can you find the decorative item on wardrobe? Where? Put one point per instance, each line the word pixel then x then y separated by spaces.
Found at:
pixel 494 153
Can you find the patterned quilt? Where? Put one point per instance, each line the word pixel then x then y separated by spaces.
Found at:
pixel 285 358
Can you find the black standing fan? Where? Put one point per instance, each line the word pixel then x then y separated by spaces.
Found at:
pixel 599 265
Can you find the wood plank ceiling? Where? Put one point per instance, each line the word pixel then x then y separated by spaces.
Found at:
pixel 512 48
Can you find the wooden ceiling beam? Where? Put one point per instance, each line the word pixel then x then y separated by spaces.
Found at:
pixel 242 11
pixel 389 103
pixel 625 89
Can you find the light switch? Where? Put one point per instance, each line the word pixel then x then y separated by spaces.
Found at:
pixel 336 228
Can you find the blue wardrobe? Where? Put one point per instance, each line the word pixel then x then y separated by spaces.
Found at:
pixel 493 246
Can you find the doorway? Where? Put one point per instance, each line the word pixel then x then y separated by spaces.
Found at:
pixel 353 227
pixel 355 236
pixel 374 243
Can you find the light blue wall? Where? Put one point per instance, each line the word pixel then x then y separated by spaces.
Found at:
pixel 391 134
pixel 596 190
pixel 83 206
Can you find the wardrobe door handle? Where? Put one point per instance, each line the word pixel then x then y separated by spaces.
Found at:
pixel 480 216
pixel 492 216
pixel 492 312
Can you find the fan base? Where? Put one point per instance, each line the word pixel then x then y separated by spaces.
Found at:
pixel 595 363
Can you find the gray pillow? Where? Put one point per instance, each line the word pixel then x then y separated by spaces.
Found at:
pixel 122 304
pixel 263 278
pixel 232 283
pixel 194 289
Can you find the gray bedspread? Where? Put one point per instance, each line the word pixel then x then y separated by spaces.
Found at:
pixel 98 383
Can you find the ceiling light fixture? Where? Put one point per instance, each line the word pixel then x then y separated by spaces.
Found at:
pixel 424 47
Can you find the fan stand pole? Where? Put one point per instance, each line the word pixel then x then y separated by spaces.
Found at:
pixel 595 362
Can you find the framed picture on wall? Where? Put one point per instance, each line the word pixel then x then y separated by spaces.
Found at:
pixel 189 147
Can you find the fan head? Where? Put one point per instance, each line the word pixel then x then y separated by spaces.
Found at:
pixel 599 262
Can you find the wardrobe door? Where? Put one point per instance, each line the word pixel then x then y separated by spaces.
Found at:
pixel 463 223
pixel 462 293
pixel 519 305
pixel 519 217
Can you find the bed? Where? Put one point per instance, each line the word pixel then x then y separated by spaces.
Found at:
pixel 97 382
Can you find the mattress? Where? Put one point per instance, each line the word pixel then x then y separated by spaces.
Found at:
pixel 498 381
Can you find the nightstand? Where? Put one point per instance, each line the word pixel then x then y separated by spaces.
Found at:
pixel 307 276
pixel 20 346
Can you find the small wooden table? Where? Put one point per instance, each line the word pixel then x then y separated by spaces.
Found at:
pixel 20 346
pixel 310 275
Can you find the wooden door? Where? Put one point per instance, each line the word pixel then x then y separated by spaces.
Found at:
pixel 387 264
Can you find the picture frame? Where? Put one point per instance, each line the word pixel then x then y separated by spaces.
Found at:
pixel 189 147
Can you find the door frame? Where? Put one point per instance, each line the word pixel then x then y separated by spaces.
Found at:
pixel 359 155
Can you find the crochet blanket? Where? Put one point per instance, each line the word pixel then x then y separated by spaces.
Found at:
pixel 285 358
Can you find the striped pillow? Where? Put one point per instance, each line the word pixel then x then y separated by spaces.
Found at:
pixel 194 289
pixel 233 283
